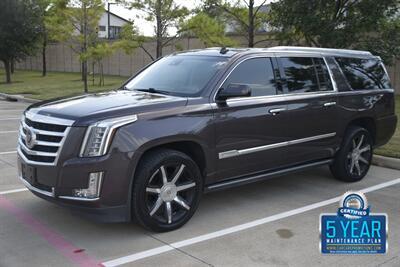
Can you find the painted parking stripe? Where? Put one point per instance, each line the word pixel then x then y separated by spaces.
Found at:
pixel 7 132
pixel 10 119
pixel 237 228
pixel 13 191
pixel 8 152
pixel 74 254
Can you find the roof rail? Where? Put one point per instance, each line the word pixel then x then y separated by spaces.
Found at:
pixel 319 50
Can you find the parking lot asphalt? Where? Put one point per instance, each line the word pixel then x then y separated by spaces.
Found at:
pixel 271 223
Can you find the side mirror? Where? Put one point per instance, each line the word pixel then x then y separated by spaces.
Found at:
pixel 233 90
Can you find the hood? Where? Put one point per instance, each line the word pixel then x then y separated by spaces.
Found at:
pixel 87 109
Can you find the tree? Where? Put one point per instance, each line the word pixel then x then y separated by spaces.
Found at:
pixel 55 27
pixel 208 30
pixel 19 31
pixel 166 14
pixel 247 15
pixel 130 39
pixel 336 23
pixel 97 53
pixel 84 19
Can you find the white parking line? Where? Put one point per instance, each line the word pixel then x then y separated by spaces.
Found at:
pixel 13 191
pixel 7 132
pixel 237 228
pixel 10 119
pixel 7 152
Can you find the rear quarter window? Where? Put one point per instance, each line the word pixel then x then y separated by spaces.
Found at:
pixel 364 74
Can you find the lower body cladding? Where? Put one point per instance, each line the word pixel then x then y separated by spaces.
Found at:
pixel 95 188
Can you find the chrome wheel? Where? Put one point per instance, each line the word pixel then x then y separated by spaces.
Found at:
pixel 359 156
pixel 170 193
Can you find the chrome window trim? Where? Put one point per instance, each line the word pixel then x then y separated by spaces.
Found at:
pixel 272 55
pixel 300 96
pixel 235 152
pixel 47 119
pixel 335 88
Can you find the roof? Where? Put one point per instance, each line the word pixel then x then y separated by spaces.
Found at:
pixel 319 50
pixel 115 15
pixel 216 51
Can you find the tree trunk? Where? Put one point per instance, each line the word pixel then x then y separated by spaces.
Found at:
pixel 84 48
pixel 251 24
pixel 12 66
pixel 8 70
pixel 44 66
pixel 85 78
pixel 159 30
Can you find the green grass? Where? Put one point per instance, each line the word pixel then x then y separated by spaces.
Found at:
pixel 392 149
pixel 56 84
pixel 31 84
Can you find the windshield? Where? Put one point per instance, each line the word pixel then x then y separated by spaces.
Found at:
pixel 178 75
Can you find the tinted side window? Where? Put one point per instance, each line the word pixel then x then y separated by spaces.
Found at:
pixel 364 74
pixel 300 74
pixel 256 73
pixel 339 78
pixel 324 80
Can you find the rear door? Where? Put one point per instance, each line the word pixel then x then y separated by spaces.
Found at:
pixel 311 107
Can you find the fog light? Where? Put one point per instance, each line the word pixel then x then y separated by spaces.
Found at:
pixel 93 190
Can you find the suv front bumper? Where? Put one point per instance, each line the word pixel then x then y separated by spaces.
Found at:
pixel 113 203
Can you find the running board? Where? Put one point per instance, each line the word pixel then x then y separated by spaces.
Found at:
pixel 263 176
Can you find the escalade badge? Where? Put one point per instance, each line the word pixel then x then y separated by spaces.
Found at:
pixel 30 138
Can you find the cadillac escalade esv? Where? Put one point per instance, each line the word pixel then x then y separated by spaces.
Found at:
pixel 204 120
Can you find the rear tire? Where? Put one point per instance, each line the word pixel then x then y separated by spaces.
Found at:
pixel 353 160
pixel 166 191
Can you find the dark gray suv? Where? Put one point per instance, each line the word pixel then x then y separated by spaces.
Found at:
pixel 204 120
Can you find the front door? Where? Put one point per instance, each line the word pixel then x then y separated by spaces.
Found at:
pixel 250 129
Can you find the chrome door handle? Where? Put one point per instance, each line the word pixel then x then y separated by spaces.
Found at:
pixel 328 104
pixel 276 111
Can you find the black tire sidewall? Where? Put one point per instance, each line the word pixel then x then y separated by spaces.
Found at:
pixel 339 167
pixel 150 164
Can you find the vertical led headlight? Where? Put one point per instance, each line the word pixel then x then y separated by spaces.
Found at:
pixel 98 136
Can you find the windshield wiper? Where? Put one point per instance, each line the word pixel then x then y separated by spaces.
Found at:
pixel 153 91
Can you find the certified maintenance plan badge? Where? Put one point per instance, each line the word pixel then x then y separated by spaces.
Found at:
pixel 353 230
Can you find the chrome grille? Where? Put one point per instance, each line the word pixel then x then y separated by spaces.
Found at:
pixel 41 138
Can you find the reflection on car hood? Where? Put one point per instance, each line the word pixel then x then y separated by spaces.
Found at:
pixel 93 107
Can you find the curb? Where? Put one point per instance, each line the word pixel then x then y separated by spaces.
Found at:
pixel 387 162
pixel 18 98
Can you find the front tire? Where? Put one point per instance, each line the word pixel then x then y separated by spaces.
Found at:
pixel 167 190
pixel 353 160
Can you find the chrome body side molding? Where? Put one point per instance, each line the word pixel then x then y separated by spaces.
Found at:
pixel 234 153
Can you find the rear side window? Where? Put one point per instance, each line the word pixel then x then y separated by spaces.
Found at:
pixel 257 73
pixel 305 74
pixel 364 74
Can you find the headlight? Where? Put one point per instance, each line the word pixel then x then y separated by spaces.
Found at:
pixel 99 135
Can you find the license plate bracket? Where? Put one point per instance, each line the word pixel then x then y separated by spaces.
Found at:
pixel 28 173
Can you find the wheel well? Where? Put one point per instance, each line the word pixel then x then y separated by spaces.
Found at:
pixel 190 148
pixel 368 124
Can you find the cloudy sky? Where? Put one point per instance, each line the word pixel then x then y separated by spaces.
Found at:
pixel 147 28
